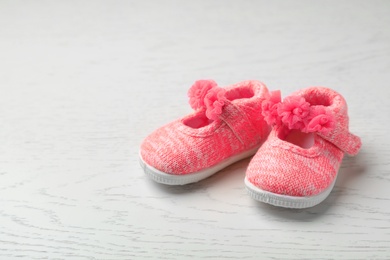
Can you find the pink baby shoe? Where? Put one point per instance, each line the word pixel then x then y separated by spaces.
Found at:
pixel 297 165
pixel 224 128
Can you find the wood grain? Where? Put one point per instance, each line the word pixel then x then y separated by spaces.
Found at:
pixel 83 82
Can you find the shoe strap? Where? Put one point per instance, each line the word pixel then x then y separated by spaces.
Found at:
pixel 239 123
pixel 344 140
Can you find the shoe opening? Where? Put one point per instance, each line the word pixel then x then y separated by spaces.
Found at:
pixel 240 93
pixel 298 138
pixel 197 121
pixel 316 98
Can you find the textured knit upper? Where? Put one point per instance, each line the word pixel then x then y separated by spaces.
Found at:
pixel 181 147
pixel 284 168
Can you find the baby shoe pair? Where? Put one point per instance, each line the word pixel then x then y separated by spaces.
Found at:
pixel 298 143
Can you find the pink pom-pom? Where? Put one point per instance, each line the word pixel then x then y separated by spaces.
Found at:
pixel 294 111
pixel 270 108
pixel 198 92
pixel 214 101
pixel 322 122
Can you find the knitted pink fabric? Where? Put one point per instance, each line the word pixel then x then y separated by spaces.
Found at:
pixel 283 168
pixel 226 123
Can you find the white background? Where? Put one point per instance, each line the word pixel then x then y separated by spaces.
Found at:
pixel 83 82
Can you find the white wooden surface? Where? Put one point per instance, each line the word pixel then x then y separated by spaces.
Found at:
pixel 83 82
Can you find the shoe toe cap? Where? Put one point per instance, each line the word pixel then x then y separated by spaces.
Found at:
pixel 290 174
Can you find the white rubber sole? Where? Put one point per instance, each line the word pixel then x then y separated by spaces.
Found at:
pixel 173 179
pixel 284 200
